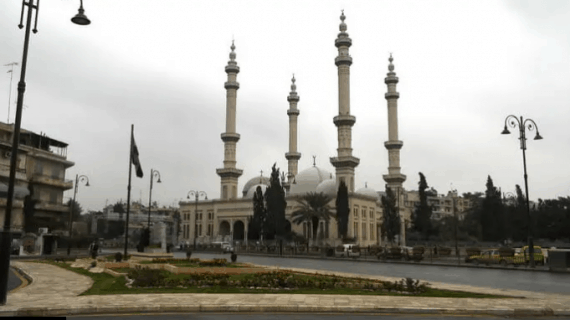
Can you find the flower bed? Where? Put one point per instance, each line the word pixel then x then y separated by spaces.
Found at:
pixel 274 280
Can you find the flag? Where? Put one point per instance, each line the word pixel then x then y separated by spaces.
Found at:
pixel 135 158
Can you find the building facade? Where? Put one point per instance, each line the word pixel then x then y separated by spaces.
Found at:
pixel 40 178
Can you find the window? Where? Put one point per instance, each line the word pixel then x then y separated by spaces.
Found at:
pixel 372 231
pixel 200 230
pixel 364 213
pixel 39 168
pixel 364 231
pixel 55 172
pixel 356 212
pixel 371 214
pixel 356 229
pixel 53 196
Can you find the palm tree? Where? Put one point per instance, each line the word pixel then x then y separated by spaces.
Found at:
pixel 314 208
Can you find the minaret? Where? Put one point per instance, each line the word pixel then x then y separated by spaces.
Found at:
pixel 345 162
pixel 394 178
pixel 229 173
pixel 292 156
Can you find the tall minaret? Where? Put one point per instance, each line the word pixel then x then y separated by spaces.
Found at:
pixel 394 178
pixel 345 162
pixel 292 156
pixel 229 173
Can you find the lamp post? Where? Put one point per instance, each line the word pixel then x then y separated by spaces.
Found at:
pixel 196 195
pixel 6 238
pixel 453 197
pixel 524 124
pixel 78 179
pixel 153 174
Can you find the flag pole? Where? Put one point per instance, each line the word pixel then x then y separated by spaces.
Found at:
pixel 129 192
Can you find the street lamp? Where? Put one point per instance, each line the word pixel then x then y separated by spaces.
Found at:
pixel 6 238
pixel 196 195
pixel 453 196
pixel 153 173
pixel 78 179
pixel 531 125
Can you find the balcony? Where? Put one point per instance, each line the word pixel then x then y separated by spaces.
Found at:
pixel 51 181
pixel 51 206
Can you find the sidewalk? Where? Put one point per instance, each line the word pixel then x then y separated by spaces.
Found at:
pixel 55 291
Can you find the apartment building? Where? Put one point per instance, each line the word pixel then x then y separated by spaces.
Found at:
pixel 40 179
pixel 442 204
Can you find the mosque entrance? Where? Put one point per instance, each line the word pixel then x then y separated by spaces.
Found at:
pixel 239 230
pixel 224 228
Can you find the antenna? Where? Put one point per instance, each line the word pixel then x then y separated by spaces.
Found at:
pixel 11 72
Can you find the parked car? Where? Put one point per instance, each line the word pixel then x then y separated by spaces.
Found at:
pixel 224 247
pixel 348 250
pixel 524 255
pixel 491 257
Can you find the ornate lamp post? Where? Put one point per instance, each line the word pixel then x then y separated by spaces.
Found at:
pixel 6 238
pixel 523 124
pixel 153 174
pixel 78 179
pixel 196 195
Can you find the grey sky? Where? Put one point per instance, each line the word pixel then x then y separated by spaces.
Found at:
pixel 463 67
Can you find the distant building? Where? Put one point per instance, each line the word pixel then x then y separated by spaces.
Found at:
pixel 40 177
pixel 163 222
pixel 442 204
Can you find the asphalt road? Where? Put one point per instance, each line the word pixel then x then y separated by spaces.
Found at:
pixel 13 280
pixel 501 279
pixel 284 316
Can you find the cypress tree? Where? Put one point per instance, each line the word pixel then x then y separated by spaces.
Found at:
pixel 342 210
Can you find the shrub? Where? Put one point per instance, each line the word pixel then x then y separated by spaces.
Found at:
pixel 147 277
pixel 118 257
pixel 93 264
pixel 214 263
pixel 234 257
pixel 330 252
pixel 188 253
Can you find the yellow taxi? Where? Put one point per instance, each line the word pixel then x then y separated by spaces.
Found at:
pixel 523 256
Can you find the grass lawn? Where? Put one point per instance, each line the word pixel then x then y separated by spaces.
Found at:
pixel 106 284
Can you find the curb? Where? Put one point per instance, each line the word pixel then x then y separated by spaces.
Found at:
pixel 210 308
pixel 24 277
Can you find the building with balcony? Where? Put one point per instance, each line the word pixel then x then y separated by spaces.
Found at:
pixel 164 223
pixel 443 205
pixel 40 179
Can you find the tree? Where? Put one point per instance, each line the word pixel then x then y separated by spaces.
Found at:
pixel 314 208
pixel 492 213
pixel 471 224
pixel 276 205
pixel 259 215
pixel 391 216
pixel 30 222
pixel 75 212
pixel 422 214
pixel 342 210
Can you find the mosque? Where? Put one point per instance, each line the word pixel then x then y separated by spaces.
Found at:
pixel 226 218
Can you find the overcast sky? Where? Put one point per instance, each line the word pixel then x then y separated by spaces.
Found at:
pixel 463 67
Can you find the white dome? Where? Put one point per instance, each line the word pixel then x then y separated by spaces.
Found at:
pixel 252 190
pixel 368 192
pixel 307 180
pixel 254 181
pixel 328 187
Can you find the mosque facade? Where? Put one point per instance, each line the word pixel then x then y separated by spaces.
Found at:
pixel 226 218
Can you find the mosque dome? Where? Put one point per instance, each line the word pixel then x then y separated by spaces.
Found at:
pixel 307 180
pixel 366 191
pixel 252 190
pixel 253 182
pixel 328 187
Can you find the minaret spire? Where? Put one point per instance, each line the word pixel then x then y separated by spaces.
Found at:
pixel 229 174
pixel 394 178
pixel 345 162
pixel 292 156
